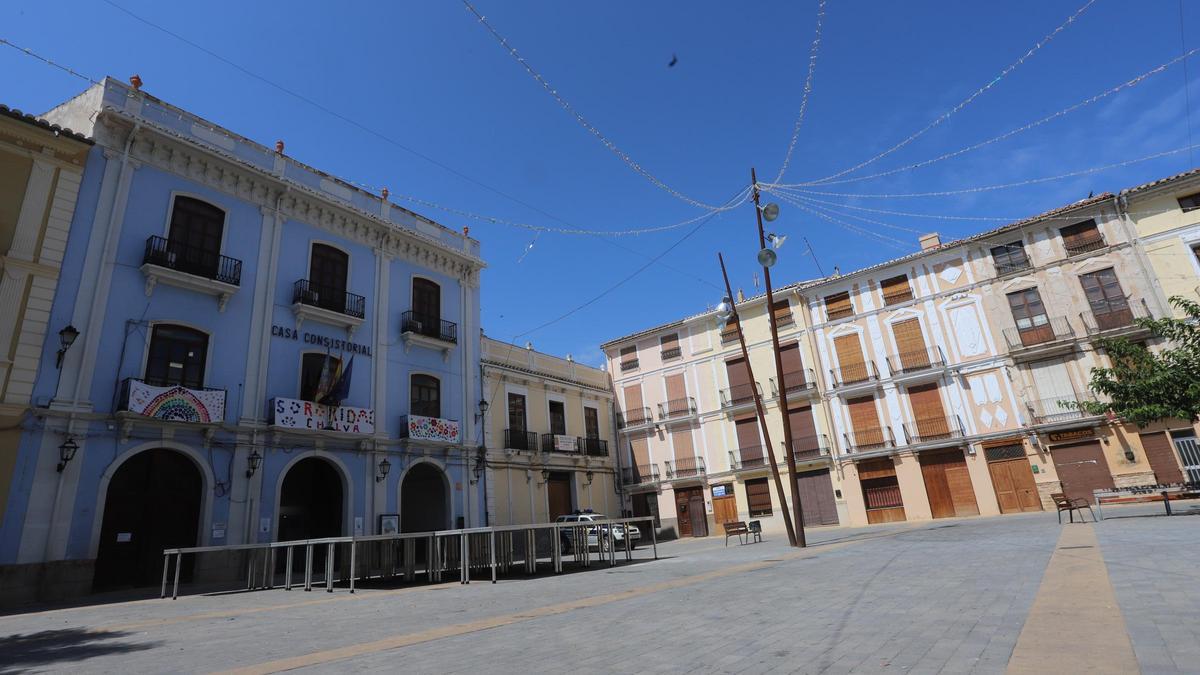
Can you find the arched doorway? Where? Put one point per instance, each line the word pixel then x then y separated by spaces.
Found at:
pixel 310 501
pixel 153 502
pixel 424 504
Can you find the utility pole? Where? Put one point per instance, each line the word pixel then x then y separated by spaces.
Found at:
pixel 762 416
pixel 788 448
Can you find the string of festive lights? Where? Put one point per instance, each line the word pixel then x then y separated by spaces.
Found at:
pixel 579 117
pixel 835 210
pixel 987 188
pixel 881 238
pixel 968 100
pixel 1036 123
pixel 29 52
pixel 808 82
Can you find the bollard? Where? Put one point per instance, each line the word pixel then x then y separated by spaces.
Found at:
pixel 329 568
pixel 1167 502
pixel 353 552
pixel 492 548
pixel 287 580
pixel 654 538
pixel 308 559
pixel 178 562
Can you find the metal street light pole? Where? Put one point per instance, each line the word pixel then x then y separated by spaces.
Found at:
pixel 788 448
pixel 762 416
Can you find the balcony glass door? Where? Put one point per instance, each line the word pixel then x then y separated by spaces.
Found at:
pixel 1109 306
pixel 177 356
pixel 194 242
pixel 1030 316
pixel 327 272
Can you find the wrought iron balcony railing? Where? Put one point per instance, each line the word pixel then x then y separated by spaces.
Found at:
pixel 593 447
pixel 784 318
pixel 739 395
pixel 796 382
pixel 194 260
pixel 337 300
pixel 897 296
pixel 1004 269
pixel 684 467
pixel 908 363
pixel 153 397
pixel 854 373
pixel 1113 315
pixel 807 448
pixel 670 353
pixel 429 326
pixel 640 474
pixel 1053 329
pixel 1093 243
pixel 869 439
pixel 729 335
pixel 628 364
pixel 676 408
pixel 634 418
pixel 560 443
pixel 932 429
pixel 747 457
pixel 519 439
pixel 1057 409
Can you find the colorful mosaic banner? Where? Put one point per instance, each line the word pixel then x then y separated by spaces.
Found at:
pixel 295 414
pixel 433 429
pixel 176 404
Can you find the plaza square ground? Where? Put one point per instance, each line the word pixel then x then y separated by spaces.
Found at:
pixel 1016 593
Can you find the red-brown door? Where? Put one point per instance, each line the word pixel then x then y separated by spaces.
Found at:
pixel 1161 453
pixel 1082 469
pixel 691 523
pixel 948 484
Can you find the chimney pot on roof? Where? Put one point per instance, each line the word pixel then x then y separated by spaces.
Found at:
pixel 572 360
pixel 837 271
pixel 384 194
pixel 136 81
pixel 741 296
pixel 930 241
pixel 466 231
pixel 529 345
pixel 279 147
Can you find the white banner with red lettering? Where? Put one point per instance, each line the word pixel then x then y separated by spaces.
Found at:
pixel 291 413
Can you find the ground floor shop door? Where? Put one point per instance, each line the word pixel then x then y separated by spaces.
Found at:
pixel 689 509
pixel 881 491
pixel 1082 469
pixel 816 497
pixel 558 490
pixel 1161 454
pixel 1012 479
pixel 724 504
pixel 948 484
pixel 1189 452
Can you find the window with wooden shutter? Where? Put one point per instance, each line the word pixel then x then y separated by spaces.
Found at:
pixel 929 415
pixel 1110 307
pixel 758 497
pixel 1190 202
pixel 730 332
pixel 794 377
pixel 678 402
pixel 805 443
pixel 740 390
pixel 864 420
pixel 1030 316
pixel 910 345
pixel 783 313
pixel 838 306
pixel 852 367
pixel 1081 237
pixel 635 411
pixel 629 358
pixel 896 290
pixel 750 449
pixel 684 450
pixel 1010 258
pixel 669 346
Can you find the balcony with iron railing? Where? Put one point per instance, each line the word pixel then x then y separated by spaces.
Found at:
pixel 670 353
pixel 897 296
pixel 916 364
pixel 677 409
pixel 519 439
pixel 855 376
pixel 798 384
pixel 747 458
pixel 424 428
pixel 427 325
pixel 593 447
pixel 1058 410
pixel 634 418
pixel 783 319
pixel 739 396
pixel 641 474
pixel 809 448
pixel 729 334
pixel 560 443
pixel 835 313
pixel 1007 268
pixel 171 402
pixel 934 430
pixel 1050 334
pixel 328 298
pixel 628 365
pixel 1084 245
pixel 868 440
pixel 1114 317
pixel 190 267
pixel 685 467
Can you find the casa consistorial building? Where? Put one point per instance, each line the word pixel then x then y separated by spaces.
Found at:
pixel 265 352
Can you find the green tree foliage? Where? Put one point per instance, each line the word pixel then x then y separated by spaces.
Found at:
pixel 1143 387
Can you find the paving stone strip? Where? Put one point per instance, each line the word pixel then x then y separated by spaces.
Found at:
pixel 1075 624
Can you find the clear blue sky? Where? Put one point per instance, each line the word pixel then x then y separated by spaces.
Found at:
pixel 428 74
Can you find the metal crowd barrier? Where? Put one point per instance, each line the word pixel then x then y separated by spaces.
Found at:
pixel 392 555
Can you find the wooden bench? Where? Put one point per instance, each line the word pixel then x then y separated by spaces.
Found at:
pixel 1071 506
pixel 736 528
pixel 755 530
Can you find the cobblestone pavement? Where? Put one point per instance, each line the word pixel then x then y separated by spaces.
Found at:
pixel 948 596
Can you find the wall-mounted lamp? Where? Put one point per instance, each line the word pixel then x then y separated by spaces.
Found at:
pixel 545 475
pixel 384 467
pixel 483 408
pixel 66 452
pixel 1129 454
pixel 590 476
pixel 66 338
pixel 253 461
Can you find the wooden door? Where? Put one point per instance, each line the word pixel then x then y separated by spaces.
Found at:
pixel 910 345
pixel 926 402
pixel 816 497
pixel 948 484
pixel 683 511
pixel 1030 316
pixel 558 489
pixel 725 509
pixel 1082 469
pixel 852 366
pixel 881 491
pixel 698 516
pixel 1161 453
pixel 1013 482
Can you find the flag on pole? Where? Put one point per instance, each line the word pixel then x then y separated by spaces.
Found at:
pixel 328 377
pixel 341 388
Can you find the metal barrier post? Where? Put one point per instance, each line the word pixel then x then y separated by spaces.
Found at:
pixel 268 566
pixel 329 568
pixel 287 581
pixel 654 538
pixel 250 569
pixel 556 554
pixel 353 552
pixel 464 557
pixel 308 552
pixel 1167 502
pixel 178 563
pixel 431 557
pixel 166 564
pixel 628 557
pixel 612 545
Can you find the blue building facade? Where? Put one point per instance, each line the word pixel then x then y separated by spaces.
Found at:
pixel 265 352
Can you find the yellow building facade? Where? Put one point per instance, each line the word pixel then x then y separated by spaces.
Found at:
pixel 548 434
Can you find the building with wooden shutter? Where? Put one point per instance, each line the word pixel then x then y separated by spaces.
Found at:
pixel 549 436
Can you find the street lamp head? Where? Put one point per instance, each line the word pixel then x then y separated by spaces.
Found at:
pixel 66 452
pixel 483 406
pixel 770 211
pixel 384 467
pixel 767 257
pixel 253 461
pixel 725 309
